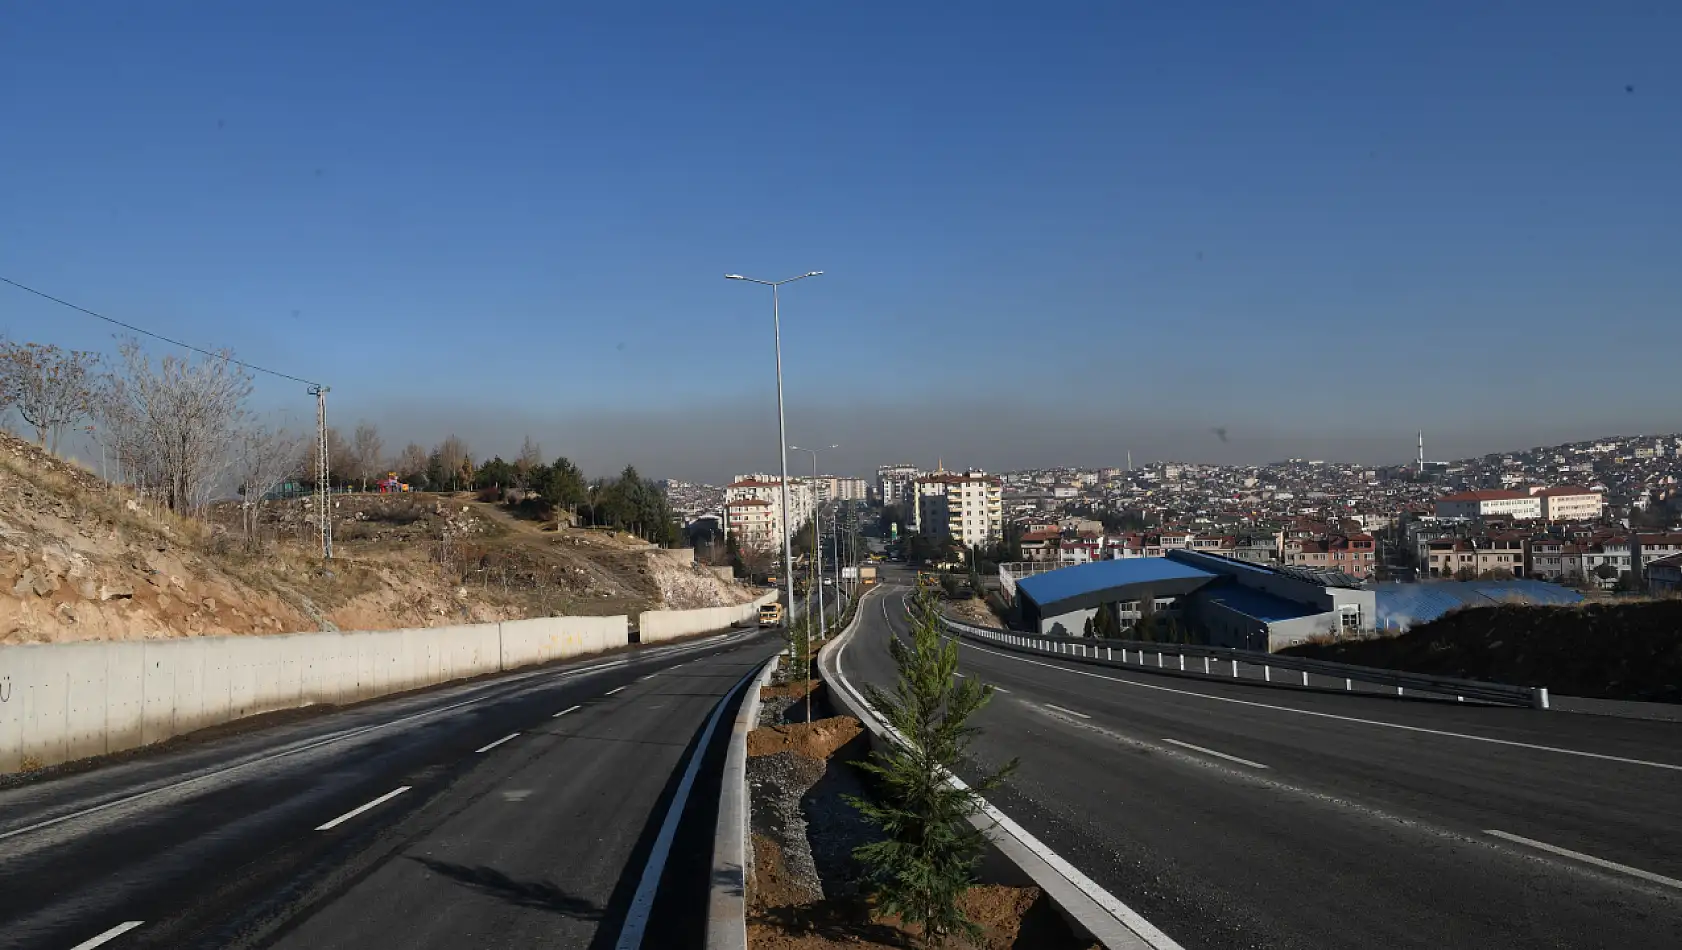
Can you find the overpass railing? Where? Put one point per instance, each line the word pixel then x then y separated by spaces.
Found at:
pixel 1250 666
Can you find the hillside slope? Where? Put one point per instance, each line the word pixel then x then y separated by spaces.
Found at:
pixel 1629 651
pixel 81 560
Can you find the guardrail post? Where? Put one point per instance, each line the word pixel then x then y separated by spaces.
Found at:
pixel 1398 691
pixel 1305 677
pixel 1235 669
pixel 1267 674
pixel 1182 663
pixel 1205 666
pixel 1159 659
pixel 1109 654
pixel 1348 684
pixel 1539 697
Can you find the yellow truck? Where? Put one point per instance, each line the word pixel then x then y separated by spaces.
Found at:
pixel 770 615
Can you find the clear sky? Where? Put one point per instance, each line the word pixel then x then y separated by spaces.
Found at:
pixel 1052 232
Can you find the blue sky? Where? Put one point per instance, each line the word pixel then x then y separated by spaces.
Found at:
pixel 1051 232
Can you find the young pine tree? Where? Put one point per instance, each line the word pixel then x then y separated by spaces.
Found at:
pixel 927 861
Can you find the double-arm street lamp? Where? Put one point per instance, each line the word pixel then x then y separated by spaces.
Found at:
pixel 782 443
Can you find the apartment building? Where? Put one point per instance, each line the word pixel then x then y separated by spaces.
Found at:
pixel 1664 575
pixel 895 484
pixel 966 507
pixel 753 509
pixel 1355 555
pixel 1518 505
pixel 1570 503
pixel 1652 547
pixel 1554 559
pixel 1614 554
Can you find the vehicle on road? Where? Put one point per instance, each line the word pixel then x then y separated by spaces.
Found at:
pixel 770 615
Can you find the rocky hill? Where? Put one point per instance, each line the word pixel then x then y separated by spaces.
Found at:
pixel 81 560
pixel 1629 651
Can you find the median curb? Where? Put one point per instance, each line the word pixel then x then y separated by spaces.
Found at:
pixel 727 927
pixel 1087 907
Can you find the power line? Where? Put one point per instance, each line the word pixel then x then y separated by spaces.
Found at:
pixel 159 336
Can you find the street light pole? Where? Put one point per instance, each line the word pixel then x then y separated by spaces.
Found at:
pixel 782 452
pixel 817 532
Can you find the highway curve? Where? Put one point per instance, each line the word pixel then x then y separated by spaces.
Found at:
pixel 1238 815
pixel 516 811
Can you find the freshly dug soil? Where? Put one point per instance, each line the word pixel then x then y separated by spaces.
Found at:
pixel 1603 651
pixel 816 740
pixel 793 689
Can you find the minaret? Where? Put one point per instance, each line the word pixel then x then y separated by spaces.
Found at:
pixel 1421 451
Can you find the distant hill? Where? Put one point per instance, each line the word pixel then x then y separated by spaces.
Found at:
pixel 1608 651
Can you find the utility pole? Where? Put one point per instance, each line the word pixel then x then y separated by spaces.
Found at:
pixel 323 496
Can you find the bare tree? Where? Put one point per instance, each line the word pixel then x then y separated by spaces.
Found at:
pixel 176 422
pixel 264 459
pixel 530 457
pixel 452 455
pixel 368 450
pixel 412 461
pixel 51 388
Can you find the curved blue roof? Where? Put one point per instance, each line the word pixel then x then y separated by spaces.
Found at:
pixel 1401 606
pixel 1082 580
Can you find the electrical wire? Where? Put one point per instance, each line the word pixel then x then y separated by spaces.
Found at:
pixel 159 336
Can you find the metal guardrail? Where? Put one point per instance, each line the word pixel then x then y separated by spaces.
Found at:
pixel 1104 652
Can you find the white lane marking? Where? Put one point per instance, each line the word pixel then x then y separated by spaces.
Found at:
pixel 614 690
pixel 1325 715
pixel 648 677
pixel 642 902
pixel 1218 755
pixel 562 674
pixel 1069 712
pixel 388 796
pixel 496 743
pixel 108 935
pixel 1587 858
pixel 565 711
pixel 1000 689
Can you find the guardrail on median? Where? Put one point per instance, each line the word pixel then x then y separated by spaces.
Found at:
pixel 1105 652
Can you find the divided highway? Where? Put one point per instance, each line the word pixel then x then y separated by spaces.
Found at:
pixel 1237 815
pixel 517 811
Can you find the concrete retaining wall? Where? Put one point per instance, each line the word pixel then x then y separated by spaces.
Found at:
pixel 72 700
pixel 656 625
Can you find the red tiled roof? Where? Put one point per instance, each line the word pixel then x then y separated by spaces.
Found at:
pixel 1565 490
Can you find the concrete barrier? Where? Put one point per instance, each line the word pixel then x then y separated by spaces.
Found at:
pixel 656 625
pixel 72 700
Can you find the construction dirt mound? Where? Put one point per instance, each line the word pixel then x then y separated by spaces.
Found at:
pixel 1606 651
pixel 815 740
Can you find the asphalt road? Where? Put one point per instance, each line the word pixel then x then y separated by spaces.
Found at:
pixel 1240 815
pixel 514 826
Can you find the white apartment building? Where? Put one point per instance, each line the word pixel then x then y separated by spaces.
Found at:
pixel 1484 504
pixel 1570 503
pixel 966 507
pixel 754 510
pixel 841 488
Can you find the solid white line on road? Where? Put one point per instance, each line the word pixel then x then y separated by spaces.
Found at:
pixel 1218 755
pixel 1587 859
pixel 648 677
pixel 614 690
pixel 388 796
pixel 496 743
pixel 1000 689
pixel 642 902
pixel 565 711
pixel 1325 715
pixel 1068 711
pixel 108 935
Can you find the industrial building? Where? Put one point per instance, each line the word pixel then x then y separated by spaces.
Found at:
pixel 1220 601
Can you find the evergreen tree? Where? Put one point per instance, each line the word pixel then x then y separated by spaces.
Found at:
pixel 928 858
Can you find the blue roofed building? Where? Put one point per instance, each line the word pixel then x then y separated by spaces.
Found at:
pixel 1217 600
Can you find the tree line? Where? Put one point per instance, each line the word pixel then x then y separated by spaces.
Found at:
pixel 180 431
